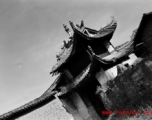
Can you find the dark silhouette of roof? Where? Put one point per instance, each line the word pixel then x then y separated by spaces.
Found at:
pixel 91 34
pixel 143 22
pixel 81 79
pixel 102 34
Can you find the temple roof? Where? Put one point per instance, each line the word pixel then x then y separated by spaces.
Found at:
pixel 119 47
pixel 67 53
pixel 83 78
pixel 120 54
pixel 121 51
pixel 64 57
pixel 91 34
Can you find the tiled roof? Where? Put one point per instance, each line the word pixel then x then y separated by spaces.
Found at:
pixel 108 30
pixel 36 103
pixel 119 47
pixel 103 32
pixel 121 51
pixel 63 58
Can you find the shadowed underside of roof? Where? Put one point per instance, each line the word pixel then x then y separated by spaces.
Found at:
pixel 81 79
pixel 85 76
pixel 121 54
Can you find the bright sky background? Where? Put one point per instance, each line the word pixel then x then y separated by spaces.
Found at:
pixel 31 32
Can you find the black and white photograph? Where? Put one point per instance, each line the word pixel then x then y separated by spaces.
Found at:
pixel 75 60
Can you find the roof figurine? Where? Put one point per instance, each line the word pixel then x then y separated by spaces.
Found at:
pixel 82 24
pixel 81 27
pixel 67 30
pixel 72 25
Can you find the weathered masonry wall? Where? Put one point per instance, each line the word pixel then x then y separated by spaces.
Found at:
pixel 50 111
pixel 132 85
pixel 78 109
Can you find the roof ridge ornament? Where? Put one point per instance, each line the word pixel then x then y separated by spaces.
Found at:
pixel 67 30
pixel 113 19
pixel 82 24
pixel 72 25
pixel 78 26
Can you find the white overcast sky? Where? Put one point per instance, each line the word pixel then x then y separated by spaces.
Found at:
pixel 31 32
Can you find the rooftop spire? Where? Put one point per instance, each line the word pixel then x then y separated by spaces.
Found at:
pixel 72 25
pixel 82 24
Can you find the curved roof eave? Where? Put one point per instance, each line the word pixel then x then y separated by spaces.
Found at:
pixel 91 30
pixel 45 98
pixel 66 58
pixel 100 37
pixel 118 57
pixel 103 32
pixel 29 107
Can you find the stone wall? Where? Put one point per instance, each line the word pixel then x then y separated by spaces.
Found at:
pixel 78 108
pixel 131 86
